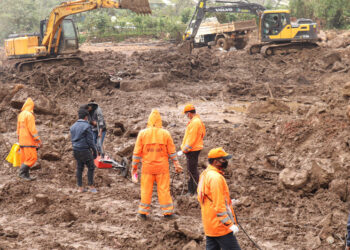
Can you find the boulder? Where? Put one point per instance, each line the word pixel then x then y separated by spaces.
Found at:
pixel 294 179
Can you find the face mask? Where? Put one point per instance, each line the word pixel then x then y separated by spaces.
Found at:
pixel 224 164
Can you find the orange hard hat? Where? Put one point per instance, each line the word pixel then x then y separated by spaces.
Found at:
pixel 189 107
pixel 218 153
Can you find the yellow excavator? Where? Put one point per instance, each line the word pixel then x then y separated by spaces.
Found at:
pixel 276 34
pixel 58 40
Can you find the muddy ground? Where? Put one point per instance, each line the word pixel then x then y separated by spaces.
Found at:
pixel 283 118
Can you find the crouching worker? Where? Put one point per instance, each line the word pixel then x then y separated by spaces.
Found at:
pixel 28 138
pixel 219 220
pixel 84 150
pixel 154 146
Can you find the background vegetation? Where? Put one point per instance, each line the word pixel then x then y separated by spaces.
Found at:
pixel 167 21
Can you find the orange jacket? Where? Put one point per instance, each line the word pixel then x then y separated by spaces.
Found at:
pixel 216 206
pixel 195 132
pixel 26 131
pixel 154 146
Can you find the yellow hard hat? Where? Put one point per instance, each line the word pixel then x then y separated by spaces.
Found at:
pixel 189 107
pixel 218 153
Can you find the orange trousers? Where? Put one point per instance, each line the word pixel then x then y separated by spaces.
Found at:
pixel 163 190
pixel 28 156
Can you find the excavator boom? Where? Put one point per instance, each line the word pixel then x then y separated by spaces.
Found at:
pixel 73 7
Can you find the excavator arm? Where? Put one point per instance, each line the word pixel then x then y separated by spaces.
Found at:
pixel 73 7
pixel 234 7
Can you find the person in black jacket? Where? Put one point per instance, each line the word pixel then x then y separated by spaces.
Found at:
pixel 84 149
pixel 98 124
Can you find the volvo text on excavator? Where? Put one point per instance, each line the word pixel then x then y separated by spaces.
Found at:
pixel 276 33
pixel 58 40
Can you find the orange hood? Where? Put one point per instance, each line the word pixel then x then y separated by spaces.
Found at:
pixel 154 119
pixel 28 105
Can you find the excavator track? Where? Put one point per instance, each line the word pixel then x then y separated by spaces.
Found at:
pixel 31 64
pixel 269 49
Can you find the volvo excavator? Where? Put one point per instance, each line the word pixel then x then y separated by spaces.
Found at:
pixel 58 40
pixel 276 33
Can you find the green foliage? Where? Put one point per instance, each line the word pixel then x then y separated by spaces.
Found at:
pixel 336 13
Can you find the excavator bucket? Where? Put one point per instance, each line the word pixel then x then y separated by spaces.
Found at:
pixel 137 6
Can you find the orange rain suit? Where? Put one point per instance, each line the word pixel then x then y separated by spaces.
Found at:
pixel 216 206
pixel 195 132
pixel 27 134
pixel 154 146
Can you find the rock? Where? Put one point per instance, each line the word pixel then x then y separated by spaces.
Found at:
pixel 3 128
pixel 340 188
pixel 330 58
pixel 294 179
pixel 192 245
pixel 330 240
pixel 321 172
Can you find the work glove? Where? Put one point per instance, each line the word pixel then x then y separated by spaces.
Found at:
pixel 234 229
pixel 134 176
pixel 178 168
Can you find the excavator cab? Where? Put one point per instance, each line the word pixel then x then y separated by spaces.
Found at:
pixel 276 25
pixel 68 38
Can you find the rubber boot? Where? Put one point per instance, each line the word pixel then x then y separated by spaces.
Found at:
pixel 22 171
pixel 28 175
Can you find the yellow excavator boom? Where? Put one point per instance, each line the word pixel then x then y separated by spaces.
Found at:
pixel 73 7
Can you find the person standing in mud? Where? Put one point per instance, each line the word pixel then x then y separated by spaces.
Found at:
pixel 192 145
pixel 84 149
pixel 218 217
pixel 98 124
pixel 28 139
pixel 154 146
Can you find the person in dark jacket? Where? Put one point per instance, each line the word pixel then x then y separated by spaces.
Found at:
pixel 84 149
pixel 348 236
pixel 98 124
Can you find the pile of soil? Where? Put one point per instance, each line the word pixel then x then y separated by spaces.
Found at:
pixel 282 117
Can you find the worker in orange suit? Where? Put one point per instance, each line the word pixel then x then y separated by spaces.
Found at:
pixel 218 216
pixel 28 139
pixel 154 146
pixel 192 145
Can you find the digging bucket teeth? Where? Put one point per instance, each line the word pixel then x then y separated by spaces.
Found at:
pixel 138 6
